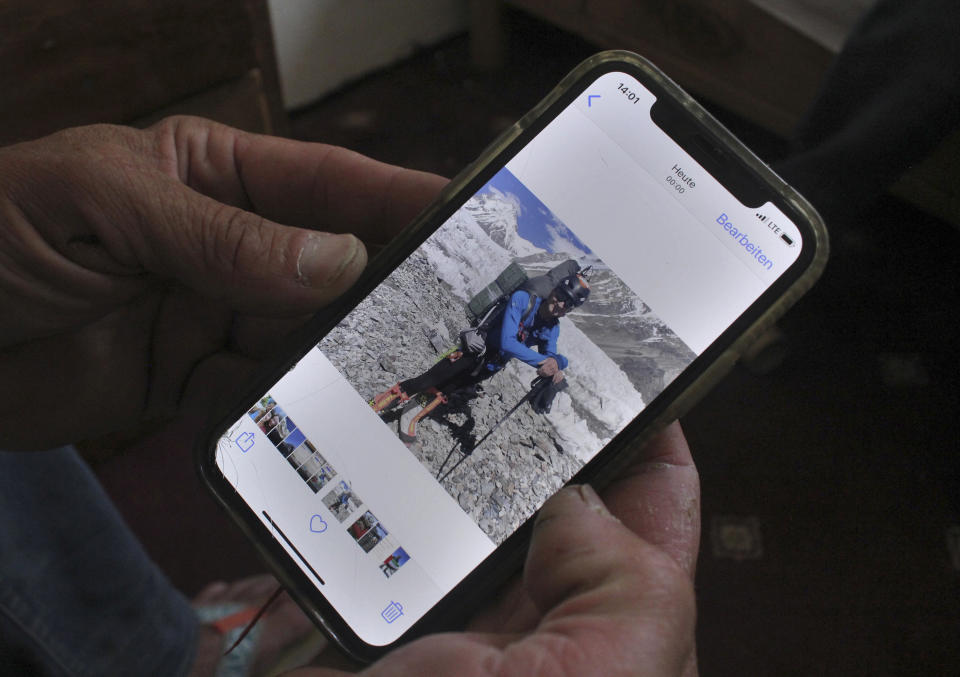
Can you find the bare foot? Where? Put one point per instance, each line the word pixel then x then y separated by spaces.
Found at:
pixel 282 626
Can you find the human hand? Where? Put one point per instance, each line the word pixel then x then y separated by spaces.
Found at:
pixel 142 270
pixel 548 367
pixel 604 593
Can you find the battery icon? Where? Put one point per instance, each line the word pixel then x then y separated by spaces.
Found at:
pixel 786 238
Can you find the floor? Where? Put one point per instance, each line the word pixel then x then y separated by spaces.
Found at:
pixel 831 482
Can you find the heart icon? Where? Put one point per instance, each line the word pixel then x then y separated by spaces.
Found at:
pixel 317 525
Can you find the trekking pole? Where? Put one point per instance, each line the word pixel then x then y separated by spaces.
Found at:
pixel 444 464
pixel 538 384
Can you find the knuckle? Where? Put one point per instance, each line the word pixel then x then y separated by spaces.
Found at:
pixel 237 242
pixel 177 127
pixel 173 122
pixel 226 233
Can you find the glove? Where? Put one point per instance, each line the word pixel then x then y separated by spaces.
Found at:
pixel 543 394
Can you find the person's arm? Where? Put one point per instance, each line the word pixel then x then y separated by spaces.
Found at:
pixel 509 344
pixel 548 347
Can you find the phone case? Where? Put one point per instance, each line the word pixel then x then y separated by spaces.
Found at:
pixel 677 399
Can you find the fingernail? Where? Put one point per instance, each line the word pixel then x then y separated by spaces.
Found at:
pixel 325 257
pixel 594 502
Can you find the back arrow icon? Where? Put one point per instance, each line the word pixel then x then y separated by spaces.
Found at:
pixel 590 98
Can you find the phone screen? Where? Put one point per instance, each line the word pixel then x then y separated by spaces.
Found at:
pixel 671 259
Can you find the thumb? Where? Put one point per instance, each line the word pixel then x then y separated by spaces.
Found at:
pixel 606 589
pixel 253 264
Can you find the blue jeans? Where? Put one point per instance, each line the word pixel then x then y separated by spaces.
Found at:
pixel 78 594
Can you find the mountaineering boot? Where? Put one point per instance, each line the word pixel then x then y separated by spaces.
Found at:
pixel 414 414
pixel 388 399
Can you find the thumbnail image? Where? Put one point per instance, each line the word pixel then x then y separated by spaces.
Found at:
pixel 362 525
pixel 313 465
pixel 392 564
pixel 260 409
pixel 297 457
pixel 279 428
pixel 291 442
pixel 271 421
pixel 341 501
pixel 374 536
pixel 319 479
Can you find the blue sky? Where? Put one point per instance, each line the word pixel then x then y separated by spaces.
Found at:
pixel 536 222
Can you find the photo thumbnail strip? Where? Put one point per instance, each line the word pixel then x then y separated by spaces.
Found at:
pixel 312 467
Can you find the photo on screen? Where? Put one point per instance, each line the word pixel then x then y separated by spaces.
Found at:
pixel 282 429
pixel 271 423
pixel 342 501
pixel 319 479
pixel 290 442
pixel 299 454
pixel 372 538
pixel 258 411
pixel 617 355
pixel 392 564
pixel 362 525
pixel 314 465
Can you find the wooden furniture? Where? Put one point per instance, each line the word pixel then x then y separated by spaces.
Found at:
pixel 74 62
pixel 729 51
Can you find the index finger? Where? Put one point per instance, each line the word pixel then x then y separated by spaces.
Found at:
pixel 310 185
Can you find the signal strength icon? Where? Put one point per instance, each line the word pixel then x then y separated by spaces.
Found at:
pixel 764 218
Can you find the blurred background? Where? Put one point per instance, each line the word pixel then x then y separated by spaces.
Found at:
pixel 831 479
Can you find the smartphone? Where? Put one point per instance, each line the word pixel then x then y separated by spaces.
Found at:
pixel 389 464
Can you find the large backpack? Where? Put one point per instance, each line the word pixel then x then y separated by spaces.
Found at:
pixel 488 304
